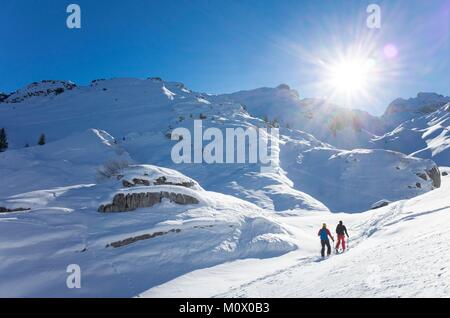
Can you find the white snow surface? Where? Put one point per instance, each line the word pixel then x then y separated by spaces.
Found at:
pixel 427 136
pixel 396 251
pixel 63 227
pixel 253 232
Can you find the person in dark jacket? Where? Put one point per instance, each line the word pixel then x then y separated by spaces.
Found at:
pixel 341 232
pixel 324 233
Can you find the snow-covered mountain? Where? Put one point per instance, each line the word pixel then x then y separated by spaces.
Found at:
pixel 427 136
pixel 104 191
pixel 407 126
pixel 341 127
pixel 141 114
pixel 396 251
pixel 401 110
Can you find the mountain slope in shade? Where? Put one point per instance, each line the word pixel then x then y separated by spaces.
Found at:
pixel 352 181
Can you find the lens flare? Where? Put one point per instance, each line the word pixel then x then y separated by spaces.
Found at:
pixel 390 51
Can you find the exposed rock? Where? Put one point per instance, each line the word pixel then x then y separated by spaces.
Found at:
pixel 380 204
pixel 422 175
pixel 445 173
pixel 435 175
pixel 133 201
pixel 3 97
pixel 43 88
pixel 163 181
pixel 134 239
pixel 127 184
pixel 5 210
pixel 283 86
pixel 418 185
pixel 96 81
pixel 141 182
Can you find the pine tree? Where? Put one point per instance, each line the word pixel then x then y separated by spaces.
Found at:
pixel 41 141
pixel 3 140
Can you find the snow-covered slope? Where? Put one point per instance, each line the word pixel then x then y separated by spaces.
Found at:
pixel 427 136
pixel 71 160
pixel 122 254
pixel 396 251
pixel 338 126
pixel 152 109
pixel 43 88
pixel 352 181
pixel 105 193
pixel 401 110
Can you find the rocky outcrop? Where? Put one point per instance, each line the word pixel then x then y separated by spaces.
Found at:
pixel 143 182
pixel 5 210
pixel 435 176
pixel 160 181
pixel 133 201
pixel 43 88
pixel 380 204
pixel 163 181
pixel 155 79
pixel 3 97
pixel 134 239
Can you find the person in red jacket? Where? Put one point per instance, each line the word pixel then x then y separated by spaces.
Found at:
pixel 341 232
pixel 324 233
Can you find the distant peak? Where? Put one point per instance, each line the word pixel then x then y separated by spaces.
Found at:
pixel 283 86
pixel 424 103
pixel 427 95
pixel 42 88
pixel 155 79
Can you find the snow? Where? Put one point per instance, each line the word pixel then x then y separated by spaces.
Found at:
pixel 253 230
pixel 401 110
pixel 427 136
pixel 313 115
pixel 395 251
pixel 352 181
pixel 65 228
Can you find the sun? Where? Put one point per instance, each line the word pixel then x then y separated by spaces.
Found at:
pixel 351 76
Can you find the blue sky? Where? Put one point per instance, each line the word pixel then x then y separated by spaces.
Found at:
pixel 222 46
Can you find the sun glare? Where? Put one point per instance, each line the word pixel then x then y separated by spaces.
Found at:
pixel 351 76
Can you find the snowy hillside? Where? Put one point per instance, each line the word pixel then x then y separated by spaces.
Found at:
pixel 104 191
pixel 338 126
pixel 154 108
pixel 396 251
pixel 184 228
pixel 427 136
pixel 401 110
pixel 353 181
